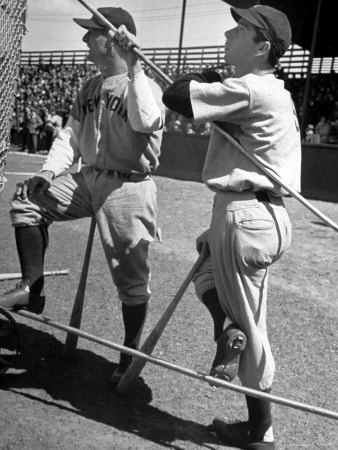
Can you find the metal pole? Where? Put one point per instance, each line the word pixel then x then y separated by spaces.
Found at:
pixel 309 68
pixel 181 39
pixel 184 371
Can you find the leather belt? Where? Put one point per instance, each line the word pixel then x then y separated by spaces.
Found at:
pixel 262 196
pixel 122 175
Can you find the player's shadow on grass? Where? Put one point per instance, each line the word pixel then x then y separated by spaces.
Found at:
pixel 83 383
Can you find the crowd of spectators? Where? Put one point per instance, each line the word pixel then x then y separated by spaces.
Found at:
pixel 322 106
pixel 44 98
pixel 46 93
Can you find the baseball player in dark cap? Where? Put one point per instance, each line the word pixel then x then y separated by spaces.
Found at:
pixel 250 228
pixel 115 126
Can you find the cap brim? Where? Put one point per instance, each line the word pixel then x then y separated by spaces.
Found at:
pixel 246 14
pixel 88 24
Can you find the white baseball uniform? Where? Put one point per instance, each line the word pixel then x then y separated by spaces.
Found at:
pixel 115 126
pixel 246 234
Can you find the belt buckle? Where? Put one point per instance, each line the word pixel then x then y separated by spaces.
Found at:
pixel 124 176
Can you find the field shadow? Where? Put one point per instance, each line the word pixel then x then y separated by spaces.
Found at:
pixel 81 386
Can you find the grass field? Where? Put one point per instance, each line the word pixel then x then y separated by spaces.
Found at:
pixel 48 402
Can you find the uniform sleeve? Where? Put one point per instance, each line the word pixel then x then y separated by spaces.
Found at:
pixel 64 151
pixel 228 101
pixel 145 108
pixel 177 96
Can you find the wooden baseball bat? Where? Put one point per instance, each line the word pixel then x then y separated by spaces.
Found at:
pixel 182 370
pixel 18 275
pixel 150 343
pixel 76 316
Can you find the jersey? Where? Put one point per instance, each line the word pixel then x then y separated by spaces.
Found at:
pixel 259 112
pixel 115 123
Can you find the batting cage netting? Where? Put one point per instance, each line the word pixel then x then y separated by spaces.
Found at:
pixel 12 30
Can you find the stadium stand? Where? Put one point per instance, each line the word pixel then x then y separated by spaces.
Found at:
pixel 49 82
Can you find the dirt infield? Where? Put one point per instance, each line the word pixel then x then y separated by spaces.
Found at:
pixel 48 402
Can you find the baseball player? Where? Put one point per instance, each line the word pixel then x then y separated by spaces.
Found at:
pixel 115 126
pixel 250 228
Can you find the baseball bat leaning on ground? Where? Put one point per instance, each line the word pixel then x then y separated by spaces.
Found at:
pixel 150 343
pixel 76 316
pixel 17 275
pixel 122 387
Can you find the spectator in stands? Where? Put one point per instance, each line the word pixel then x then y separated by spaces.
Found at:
pixel 17 129
pixel 25 115
pixel 189 129
pixel 48 131
pixel 227 71
pixel 310 136
pixel 206 129
pixel 177 127
pixel 34 125
pixel 333 133
pixel 322 129
pixel 170 120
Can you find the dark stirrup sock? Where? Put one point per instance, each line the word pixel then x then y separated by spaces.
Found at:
pixel 211 301
pixel 31 244
pixel 260 418
pixel 133 318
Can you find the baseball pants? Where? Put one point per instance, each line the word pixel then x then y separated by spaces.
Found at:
pixel 125 212
pixel 246 236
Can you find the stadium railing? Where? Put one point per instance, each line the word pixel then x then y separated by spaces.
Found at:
pixel 294 62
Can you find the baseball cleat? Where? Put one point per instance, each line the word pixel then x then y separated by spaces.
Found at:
pixel 21 298
pixel 230 345
pixel 125 361
pixel 238 435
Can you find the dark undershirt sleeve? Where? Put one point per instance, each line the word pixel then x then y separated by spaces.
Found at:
pixel 177 96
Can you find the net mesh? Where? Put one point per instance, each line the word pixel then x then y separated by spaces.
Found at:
pixel 12 30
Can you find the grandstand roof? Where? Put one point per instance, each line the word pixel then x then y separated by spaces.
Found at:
pixel 302 14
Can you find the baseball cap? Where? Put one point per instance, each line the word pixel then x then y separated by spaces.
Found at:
pixel 116 16
pixel 273 22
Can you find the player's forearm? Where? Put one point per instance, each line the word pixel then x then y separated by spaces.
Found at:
pixel 134 68
pixel 143 112
pixel 63 153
